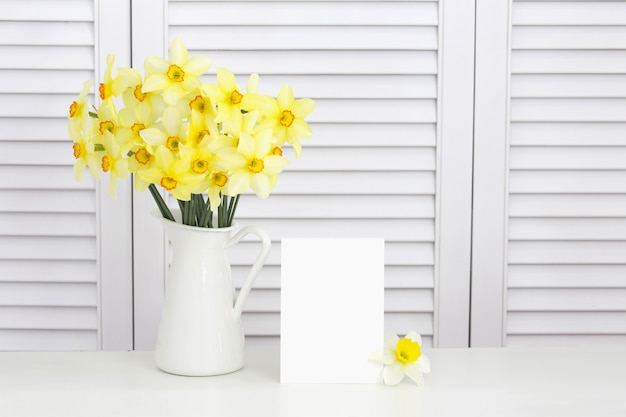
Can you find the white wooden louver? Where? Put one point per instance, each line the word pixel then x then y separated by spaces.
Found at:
pixel 48 249
pixel 370 170
pixel 567 179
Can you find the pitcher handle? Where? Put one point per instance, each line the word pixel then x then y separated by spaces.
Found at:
pixel 256 267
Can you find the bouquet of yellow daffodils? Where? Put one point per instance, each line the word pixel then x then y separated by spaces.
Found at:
pixel 190 138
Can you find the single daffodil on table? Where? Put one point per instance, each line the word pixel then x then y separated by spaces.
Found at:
pixel 402 356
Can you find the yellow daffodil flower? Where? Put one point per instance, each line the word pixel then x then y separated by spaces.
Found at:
pixel 285 116
pixel 113 162
pixel 227 95
pixel 111 87
pixel 170 132
pixel 86 156
pixel 253 165
pixel 173 174
pixel 402 357
pixel 176 77
pixel 79 120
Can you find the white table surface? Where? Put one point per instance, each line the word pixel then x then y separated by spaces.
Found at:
pixel 463 382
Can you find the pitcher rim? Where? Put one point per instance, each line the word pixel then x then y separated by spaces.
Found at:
pixel 176 212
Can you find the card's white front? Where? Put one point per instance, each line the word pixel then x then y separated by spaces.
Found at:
pixel 332 309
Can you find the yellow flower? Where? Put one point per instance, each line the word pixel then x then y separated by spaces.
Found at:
pixel 79 120
pixel 86 156
pixel 253 164
pixel 170 132
pixel 172 173
pixel 402 357
pixel 176 77
pixel 113 162
pixel 227 95
pixel 285 116
pixel 111 87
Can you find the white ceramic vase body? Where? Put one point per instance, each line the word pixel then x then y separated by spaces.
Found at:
pixel 200 332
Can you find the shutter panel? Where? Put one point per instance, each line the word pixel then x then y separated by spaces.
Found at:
pixel 370 169
pixel 48 227
pixel 567 219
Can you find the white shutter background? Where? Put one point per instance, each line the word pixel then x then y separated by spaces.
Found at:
pixel 567 203
pixel 370 169
pixel 48 248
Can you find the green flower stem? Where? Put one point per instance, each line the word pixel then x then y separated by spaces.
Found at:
pixel 232 208
pixel 165 211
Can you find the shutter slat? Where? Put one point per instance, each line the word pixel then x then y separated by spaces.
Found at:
pixel 48 340
pixel 48 294
pixel 580 158
pixel 38 224
pixel 568 62
pixel 337 207
pixel 576 13
pixel 47 201
pixel 46 33
pixel 36 81
pixel 568 85
pixel 575 134
pixel 325 62
pixel 54 271
pixel 303 13
pixel 586 299
pixel 39 153
pixel 45 10
pixel 362 134
pixel 47 57
pixel 575 110
pixel 251 37
pixel 566 276
pixel 567 205
pixel 47 318
pixel 569 37
pixel 554 323
pixel 608 229
pixel 47 248
pixel 562 181
pixel 566 252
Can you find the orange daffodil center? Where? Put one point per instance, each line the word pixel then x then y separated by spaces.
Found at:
pixel 175 73
pixel 287 118
pixel 235 97
pixel 168 183
pixel 255 165
pixel 407 351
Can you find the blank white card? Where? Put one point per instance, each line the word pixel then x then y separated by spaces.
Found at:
pixel 332 309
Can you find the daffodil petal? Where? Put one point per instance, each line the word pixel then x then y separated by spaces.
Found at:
pixel 285 97
pixel 377 356
pixel 302 107
pixel 246 145
pixel 393 374
pixel 424 364
pixel 260 184
pixel 414 372
pixel 153 136
pixel 391 340
pixel 238 182
pixel 178 52
pixel 274 164
pixel 414 336
pixel 155 82
pixel 197 65
pixel 155 65
pixel 226 79
pixel 171 121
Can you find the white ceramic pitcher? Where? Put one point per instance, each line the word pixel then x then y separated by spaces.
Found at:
pixel 200 332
